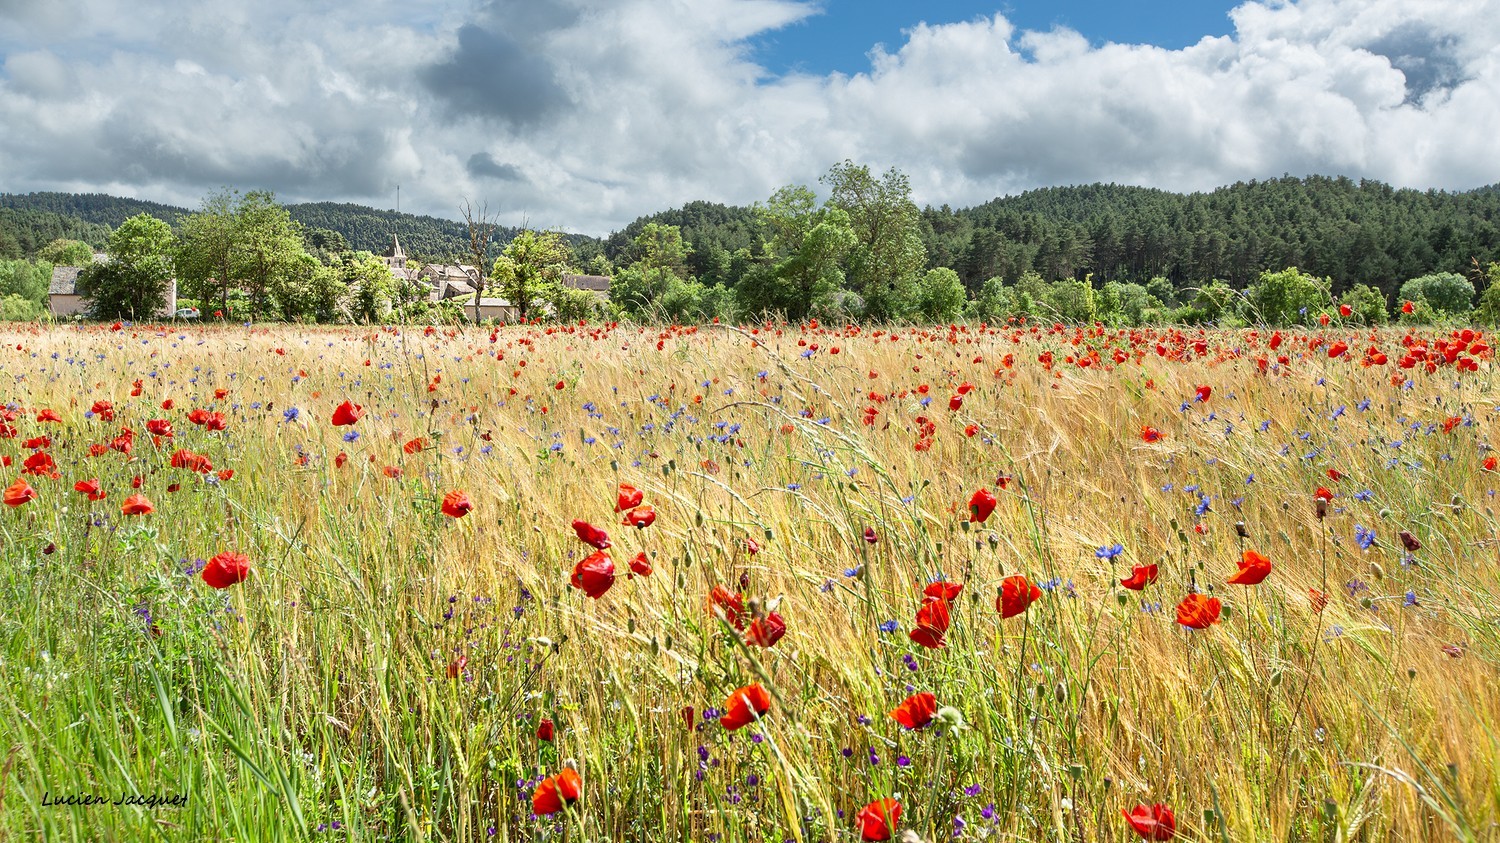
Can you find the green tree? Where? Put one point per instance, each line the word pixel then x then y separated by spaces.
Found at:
pixel 268 252
pixel 64 252
pixel 1069 301
pixel 206 250
pixel 369 284
pixel 26 279
pixel 1447 292
pixel 14 308
pixel 660 246
pixel 133 283
pixel 1368 304
pixel 1288 297
pixel 888 252
pixel 530 269
pixel 940 295
pixel 1488 312
pixel 806 250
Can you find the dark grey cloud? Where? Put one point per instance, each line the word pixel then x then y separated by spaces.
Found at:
pixel 492 75
pixel 483 165
pixel 1429 60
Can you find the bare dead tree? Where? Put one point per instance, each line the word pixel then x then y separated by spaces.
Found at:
pixel 481 229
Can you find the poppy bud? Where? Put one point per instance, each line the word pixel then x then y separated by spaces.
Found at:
pixel 951 719
pixel 1061 692
pixel 1240 530
pixel 1410 542
pixel 1376 572
pixel 1276 679
pixel 1411 673
pixel 1320 506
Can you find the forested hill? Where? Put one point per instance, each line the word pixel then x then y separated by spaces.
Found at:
pixel 428 238
pixel 35 219
pixel 1354 232
pixel 1351 231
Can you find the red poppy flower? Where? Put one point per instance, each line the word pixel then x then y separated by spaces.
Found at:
pixel 48 416
pixel 137 504
pixel 1406 307
pixel 981 505
pixel 1489 463
pixel 338 461
pixel 744 706
pixel 724 604
pixel 1345 310
pixel 91 488
pixel 870 536
pixel 347 414
pixel 1335 475
pixel 1149 433
pixel 1318 599
pixel 641 517
pixel 226 569
pixel 1254 568
pixel 456 667
pixel 19 493
pixel 640 564
pixel 456 504
pixel 1016 595
pixel 39 464
pixel 1410 542
pixel 104 410
pixel 943 590
pixel 628 498
pixel 752 546
pixel 591 535
pixel 878 819
pixel 1153 823
pixel 226 474
pixel 555 792
pixel 414 445
pixel 933 619
pixel 916 711
pixel 1201 393
pixel 159 427
pixel 545 730
pixel 594 574
pixel 766 631
pixel 1198 612
pixel 1140 577
pixel 956 403
pixel 1323 494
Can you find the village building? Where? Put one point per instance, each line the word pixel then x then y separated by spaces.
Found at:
pixel 447 281
pixel 64 300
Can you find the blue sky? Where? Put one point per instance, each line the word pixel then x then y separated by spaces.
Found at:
pixel 839 39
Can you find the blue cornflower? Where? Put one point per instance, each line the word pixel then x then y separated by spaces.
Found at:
pixel 291 414
pixel 1109 552
pixel 889 626
pixel 351 436
pixel 1364 537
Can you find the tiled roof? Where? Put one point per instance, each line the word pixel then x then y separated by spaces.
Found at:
pixel 64 281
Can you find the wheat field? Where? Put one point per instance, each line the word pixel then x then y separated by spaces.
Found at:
pixel 385 669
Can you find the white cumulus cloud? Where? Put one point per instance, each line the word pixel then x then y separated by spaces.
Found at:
pixel 584 114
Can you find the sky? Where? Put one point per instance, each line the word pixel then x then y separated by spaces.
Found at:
pixel 585 114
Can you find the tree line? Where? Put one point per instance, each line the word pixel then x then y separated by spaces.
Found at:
pixel 866 251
